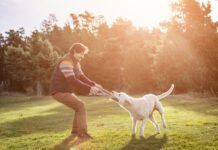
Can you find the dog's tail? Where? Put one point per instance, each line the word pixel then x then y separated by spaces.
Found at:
pixel 165 94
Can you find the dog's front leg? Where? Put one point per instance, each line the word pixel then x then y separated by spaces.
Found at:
pixel 141 132
pixel 134 123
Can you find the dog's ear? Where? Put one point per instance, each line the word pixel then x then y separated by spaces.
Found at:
pixel 127 102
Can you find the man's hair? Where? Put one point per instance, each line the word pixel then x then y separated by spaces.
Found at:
pixel 78 48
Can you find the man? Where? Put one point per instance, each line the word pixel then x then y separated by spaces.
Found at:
pixel 68 78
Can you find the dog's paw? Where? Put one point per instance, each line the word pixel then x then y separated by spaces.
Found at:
pixel 164 125
pixel 141 136
pixel 133 136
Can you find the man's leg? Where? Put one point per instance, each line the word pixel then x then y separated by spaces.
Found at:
pixel 72 101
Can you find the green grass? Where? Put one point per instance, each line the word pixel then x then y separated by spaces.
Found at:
pixel 43 123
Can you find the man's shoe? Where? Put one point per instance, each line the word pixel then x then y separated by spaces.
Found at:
pixel 74 134
pixel 84 136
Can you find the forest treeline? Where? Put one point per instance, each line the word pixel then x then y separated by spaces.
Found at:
pixel 122 57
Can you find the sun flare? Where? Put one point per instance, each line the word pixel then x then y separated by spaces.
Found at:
pixel 141 12
pixel 146 13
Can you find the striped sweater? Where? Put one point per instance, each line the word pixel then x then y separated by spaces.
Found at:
pixel 68 77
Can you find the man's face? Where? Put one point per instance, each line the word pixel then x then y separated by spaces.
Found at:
pixel 79 56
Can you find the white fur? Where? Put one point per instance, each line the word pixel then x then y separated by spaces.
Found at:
pixel 142 108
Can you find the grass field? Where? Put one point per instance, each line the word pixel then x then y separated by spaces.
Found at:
pixel 43 123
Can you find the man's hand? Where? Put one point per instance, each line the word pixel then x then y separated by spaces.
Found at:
pixel 97 91
pixel 98 85
pixel 94 90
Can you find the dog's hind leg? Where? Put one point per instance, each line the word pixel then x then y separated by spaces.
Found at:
pixel 163 120
pixel 141 132
pixel 160 109
pixel 151 117
pixel 134 123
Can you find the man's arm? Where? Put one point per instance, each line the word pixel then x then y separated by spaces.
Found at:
pixel 84 78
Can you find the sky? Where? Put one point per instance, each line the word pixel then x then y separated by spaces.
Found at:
pixel 30 13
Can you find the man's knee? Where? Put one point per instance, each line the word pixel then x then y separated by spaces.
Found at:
pixel 80 106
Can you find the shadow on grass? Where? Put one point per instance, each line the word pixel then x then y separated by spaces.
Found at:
pixel 65 144
pixel 150 143
pixel 69 143
pixel 54 120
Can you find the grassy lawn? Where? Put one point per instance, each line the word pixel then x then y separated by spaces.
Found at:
pixel 43 123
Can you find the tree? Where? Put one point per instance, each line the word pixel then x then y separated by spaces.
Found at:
pixel 44 59
pixel 193 26
pixel 76 22
pixel 48 24
pixel 2 63
pixel 15 38
pixel 19 73
pixel 87 20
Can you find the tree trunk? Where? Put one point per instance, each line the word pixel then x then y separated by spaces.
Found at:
pixel 39 88
pixel 212 92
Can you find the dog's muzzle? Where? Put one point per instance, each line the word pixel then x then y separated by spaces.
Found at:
pixel 109 94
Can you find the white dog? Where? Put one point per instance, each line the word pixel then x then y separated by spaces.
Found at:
pixel 142 108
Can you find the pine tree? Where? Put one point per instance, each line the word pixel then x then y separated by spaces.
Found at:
pixel 44 59
pixel 18 71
